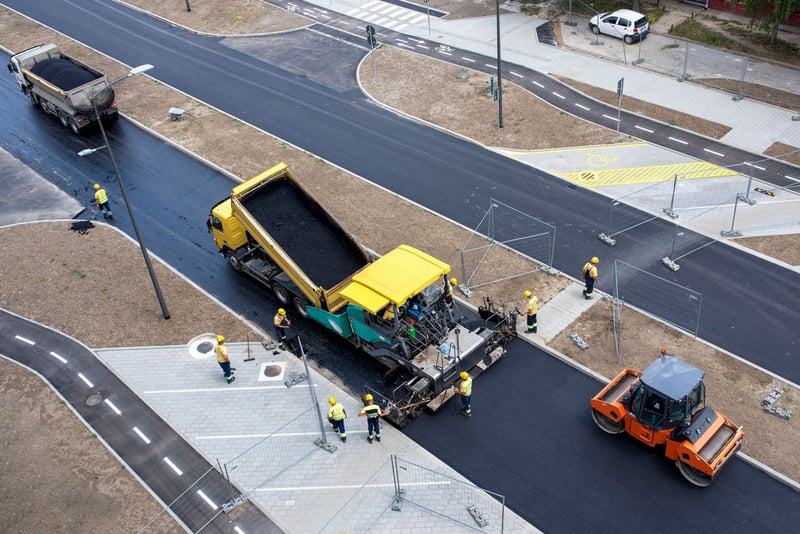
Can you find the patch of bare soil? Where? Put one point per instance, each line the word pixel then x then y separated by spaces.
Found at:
pixel 101 273
pixel 785 248
pixel 55 475
pixel 787 153
pixel 640 107
pixel 461 103
pixel 754 91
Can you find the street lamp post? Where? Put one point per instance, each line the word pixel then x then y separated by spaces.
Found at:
pixel 133 72
pixel 499 74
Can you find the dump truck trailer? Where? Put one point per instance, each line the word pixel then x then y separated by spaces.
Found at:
pixel 63 86
pixel 664 405
pixel 392 308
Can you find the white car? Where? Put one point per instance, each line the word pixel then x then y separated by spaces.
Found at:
pixel 625 24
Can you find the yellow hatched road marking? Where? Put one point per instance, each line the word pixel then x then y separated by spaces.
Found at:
pixel 642 175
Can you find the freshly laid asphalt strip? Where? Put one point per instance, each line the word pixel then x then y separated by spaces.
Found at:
pixel 531 438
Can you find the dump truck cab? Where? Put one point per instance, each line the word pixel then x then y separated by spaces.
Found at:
pixel 665 405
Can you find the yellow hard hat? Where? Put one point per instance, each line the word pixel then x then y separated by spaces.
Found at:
pixel 464 375
pixel 281 311
pixel 527 294
pixel 595 260
pixel 453 282
pixel 220 339
pixel 96 187
pixel 368 396
pixel 331 401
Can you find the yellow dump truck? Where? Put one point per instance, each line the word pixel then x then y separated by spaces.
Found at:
pixel 392 308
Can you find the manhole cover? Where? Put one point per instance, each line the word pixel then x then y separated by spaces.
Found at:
pixel 272 370
pixel 205 347
pixel 94 400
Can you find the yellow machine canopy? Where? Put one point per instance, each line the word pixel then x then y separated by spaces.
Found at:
pixel 395 278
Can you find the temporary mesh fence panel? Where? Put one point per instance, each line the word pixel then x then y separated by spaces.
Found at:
pixel 506 227
pixel 675 304
pixel 685 242
pixel 199 504
pixel 362 512
pixel 270 456
pixel 465 504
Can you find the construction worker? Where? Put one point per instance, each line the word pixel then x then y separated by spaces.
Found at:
pixel 101 199
pixel 223 360
pixel 282 324
pixel 336 416
pixel 590 276
pixel 447 292
pixel 374 414
pixel 531 309
pixel 465 390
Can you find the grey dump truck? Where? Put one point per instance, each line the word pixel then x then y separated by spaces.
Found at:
pixel 63 86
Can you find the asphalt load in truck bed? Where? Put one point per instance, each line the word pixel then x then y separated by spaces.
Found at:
pixel 319 247
pixel 62 73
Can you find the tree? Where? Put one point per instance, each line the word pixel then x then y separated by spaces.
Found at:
pixel 771 13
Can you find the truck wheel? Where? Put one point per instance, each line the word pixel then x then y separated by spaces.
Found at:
pixel 280 293
pixel 300 306
pixel 64 120
pixel 34 98
pixel 234 261
pixel 698 478
pixel 606 424
pixel 74 126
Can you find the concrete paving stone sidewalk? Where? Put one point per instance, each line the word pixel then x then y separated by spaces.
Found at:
pixel 263 432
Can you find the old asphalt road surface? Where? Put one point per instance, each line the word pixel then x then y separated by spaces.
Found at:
pixel 744 297
pixel 139 437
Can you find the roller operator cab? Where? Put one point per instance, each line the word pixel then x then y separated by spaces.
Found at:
pixel 665 405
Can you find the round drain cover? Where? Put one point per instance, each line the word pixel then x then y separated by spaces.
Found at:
pixel 272 370
pixel 94 400
pixel 205 347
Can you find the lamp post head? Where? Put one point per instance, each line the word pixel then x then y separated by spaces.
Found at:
pixel 88 151
pixel 135 71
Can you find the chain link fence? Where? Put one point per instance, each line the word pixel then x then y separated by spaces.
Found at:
pixel 507 227
pixel 427 500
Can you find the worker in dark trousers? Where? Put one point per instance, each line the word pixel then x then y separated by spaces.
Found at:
pixel 223 360
pixel 531 310
pixel 282 324
pixel 590 276
pixel 336 417
pixel 447 296
pixel 447 292
pixel 465 390
pixel 373 413
pixel 101 199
